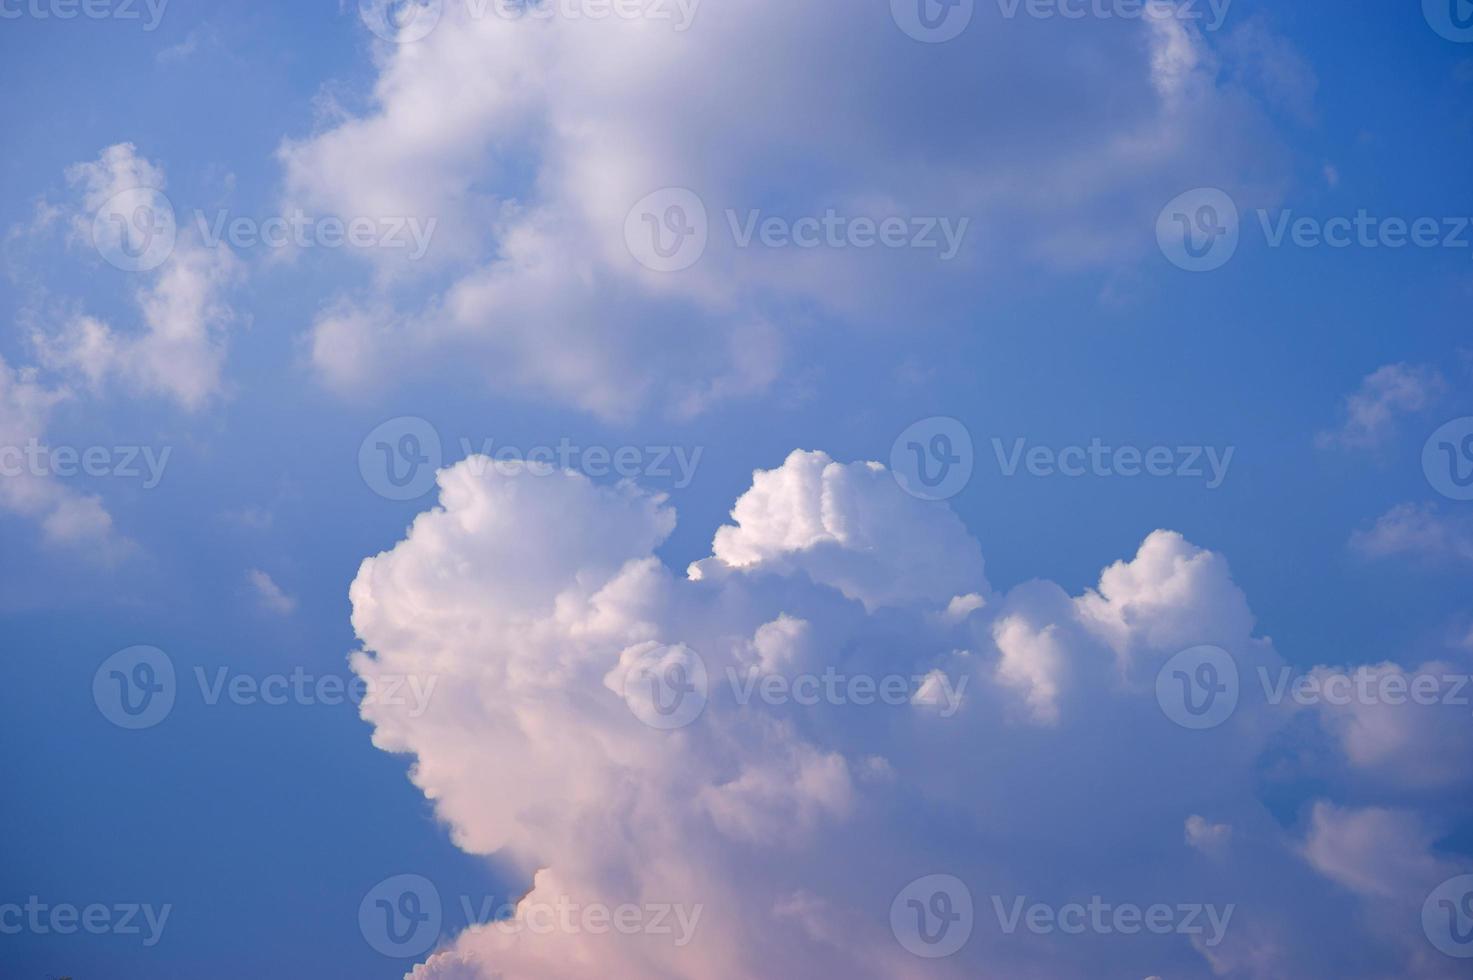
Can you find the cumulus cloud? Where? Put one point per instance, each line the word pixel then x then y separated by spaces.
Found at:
pixel 180 351
pixel 532 139
pixel 1389 392
pixel 793 823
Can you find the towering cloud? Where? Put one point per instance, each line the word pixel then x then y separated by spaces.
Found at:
pixel 779 742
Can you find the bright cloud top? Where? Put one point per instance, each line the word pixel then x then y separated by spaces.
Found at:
pixel 532 140
pixel 1023 750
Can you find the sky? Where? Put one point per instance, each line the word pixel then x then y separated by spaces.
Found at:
pixel 700 490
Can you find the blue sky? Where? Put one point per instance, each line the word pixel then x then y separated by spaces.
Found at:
pixel 528 322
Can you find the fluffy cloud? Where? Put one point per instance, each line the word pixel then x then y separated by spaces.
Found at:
pixel 66 517
pixel 794 823
pixel 180 351
pixel 1416 531
pixel 1370 413
pixel 532 139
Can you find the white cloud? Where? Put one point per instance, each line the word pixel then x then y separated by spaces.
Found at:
pixel 66 517
pixel 1212 839
pixel 269 594
pixel 1385 394
pixel 1417 531
pixel 180 352
pixel 531 139
pixel 535 600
